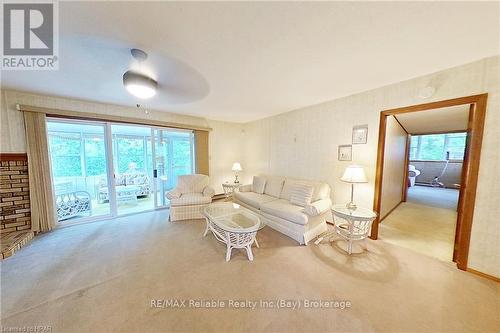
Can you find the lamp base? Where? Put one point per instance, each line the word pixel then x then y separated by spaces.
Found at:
pixel 236 181
pixel 351 206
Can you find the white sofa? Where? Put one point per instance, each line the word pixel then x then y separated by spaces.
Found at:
pixel 191 195
pixel 302 223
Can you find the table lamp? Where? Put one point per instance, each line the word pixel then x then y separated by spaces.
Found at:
pixel 354 174
pixel 236 168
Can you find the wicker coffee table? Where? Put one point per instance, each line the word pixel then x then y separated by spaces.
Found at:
pixel 233 225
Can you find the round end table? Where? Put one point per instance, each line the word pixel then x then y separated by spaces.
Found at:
pixel 229 189
pixel 352 224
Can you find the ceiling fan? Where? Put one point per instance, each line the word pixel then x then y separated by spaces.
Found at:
pixel 137 84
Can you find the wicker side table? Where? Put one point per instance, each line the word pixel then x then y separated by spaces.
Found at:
pixel 351 225
pixel 229 189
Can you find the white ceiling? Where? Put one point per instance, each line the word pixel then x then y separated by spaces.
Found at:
pixel 241 61
pixel 453 118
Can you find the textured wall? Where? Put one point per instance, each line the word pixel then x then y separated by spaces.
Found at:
pixel 394 166
pixel 303 143
pixel 224 151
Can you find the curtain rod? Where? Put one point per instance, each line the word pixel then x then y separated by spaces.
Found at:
pixel 58 113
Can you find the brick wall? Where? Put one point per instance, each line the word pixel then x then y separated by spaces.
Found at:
pixel 15 211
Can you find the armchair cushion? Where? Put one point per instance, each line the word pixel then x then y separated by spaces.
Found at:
pixel 188 199
pixel 174 194
pixel 192 183
pixel 208 191
pixel 318 207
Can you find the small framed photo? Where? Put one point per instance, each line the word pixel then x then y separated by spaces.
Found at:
pixel 345 152
pixel 359 134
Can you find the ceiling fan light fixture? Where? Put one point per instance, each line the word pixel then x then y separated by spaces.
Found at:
pixel 139 85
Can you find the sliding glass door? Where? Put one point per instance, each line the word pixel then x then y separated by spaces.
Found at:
pixel 133 168
pixel 105 169
pixel 79 169
pixel 174 156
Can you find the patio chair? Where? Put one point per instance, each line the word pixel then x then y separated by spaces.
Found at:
pixel 73 204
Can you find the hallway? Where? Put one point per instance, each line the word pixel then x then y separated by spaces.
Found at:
pixel 425 223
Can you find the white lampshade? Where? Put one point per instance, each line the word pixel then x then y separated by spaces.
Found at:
pixel 237 166
pixel 354 174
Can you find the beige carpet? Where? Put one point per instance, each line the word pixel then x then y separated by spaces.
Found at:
pixel 102 277
pixel 425 223
pixel 433 196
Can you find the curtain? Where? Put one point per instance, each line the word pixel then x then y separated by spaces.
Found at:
pixel 201 151
pixel 43 213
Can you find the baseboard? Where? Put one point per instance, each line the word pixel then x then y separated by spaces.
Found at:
pixel 484 275
pixel 389 213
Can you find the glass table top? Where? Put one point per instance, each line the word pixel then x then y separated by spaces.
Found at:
pixel 359 212
pixel 233 217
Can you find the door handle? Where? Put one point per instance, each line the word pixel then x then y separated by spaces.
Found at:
pixel 155 173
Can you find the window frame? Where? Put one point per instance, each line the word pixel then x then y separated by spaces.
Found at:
pixel 447 137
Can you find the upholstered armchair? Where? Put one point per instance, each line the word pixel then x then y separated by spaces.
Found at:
pixel 190 197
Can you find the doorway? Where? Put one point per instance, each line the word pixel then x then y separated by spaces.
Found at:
pixel 476 106
pixel 104 169
pixel 425 218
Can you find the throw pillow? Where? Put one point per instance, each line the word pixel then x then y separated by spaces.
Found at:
pixel 274 186
pixel 258 184
pixel 301 194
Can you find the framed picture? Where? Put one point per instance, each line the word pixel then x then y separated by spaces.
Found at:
pixel 345 152
pixel 359 134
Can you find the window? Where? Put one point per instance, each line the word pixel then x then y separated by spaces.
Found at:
pixel 435 147
pixel 130 149
pixel 95 156
pixel 66 152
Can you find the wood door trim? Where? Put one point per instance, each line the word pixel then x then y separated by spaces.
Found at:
pixel 469 173
pixel 379 172
pixel 437 105
pixel 406 166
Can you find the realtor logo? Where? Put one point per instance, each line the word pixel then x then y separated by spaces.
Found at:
pixel 29 36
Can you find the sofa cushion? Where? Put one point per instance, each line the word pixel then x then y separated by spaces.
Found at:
pixel 274 186
pixel 321 190
pixel 121 180
pixel 258 184
pixel 253 199
pixel 284 209
pixel 301 195
pixel 190 199
pixel 137 178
